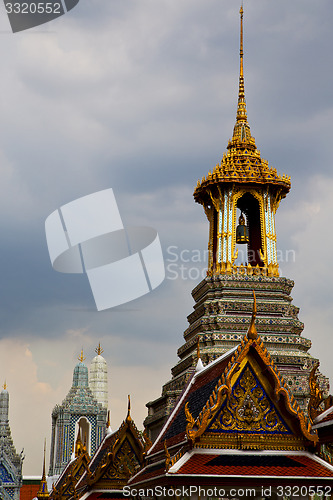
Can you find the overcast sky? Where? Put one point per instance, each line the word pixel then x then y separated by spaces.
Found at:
pixel 140 96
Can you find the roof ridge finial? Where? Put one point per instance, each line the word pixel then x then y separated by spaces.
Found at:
pixel 129 408
pixel 241 109
pixel 99 350
pixel 81 358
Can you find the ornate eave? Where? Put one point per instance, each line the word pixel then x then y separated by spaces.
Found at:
pixel 119 457
pixel 241 166
pixel 123 455
pixel 66 484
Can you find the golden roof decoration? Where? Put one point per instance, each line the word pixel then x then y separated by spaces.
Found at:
pixel 81 358
pixel 99 350
pixel 43 491
pixel 242 163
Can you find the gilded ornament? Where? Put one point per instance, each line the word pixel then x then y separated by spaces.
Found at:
pixel 317 402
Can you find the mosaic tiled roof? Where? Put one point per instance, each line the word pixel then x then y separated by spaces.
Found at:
pixel 79 399
pixel 196 394
pixel 28 491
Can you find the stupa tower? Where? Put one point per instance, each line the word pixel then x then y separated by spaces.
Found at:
pixel 98 378
pixel 10 461
pixel 80 414
pixel 242 186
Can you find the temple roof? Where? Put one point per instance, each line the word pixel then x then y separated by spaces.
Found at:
pixel 119 456
pixel 237 403
pixel 324 419
pixel 196 394
pixel 242 463
pixel 231 401
pixel 228 464
pixel 65 484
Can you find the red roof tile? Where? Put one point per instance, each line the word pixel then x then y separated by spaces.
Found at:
pixel 255 465
pixel 149 473
pixel 100 495
pixel 29 491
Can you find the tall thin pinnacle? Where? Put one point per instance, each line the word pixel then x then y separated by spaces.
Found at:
pixel 241 109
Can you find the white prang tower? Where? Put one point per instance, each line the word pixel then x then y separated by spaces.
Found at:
pixel 98 378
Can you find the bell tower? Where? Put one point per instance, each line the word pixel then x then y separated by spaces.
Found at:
pixel 243 180
pixel 240 197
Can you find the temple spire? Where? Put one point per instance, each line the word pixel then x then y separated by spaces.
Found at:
pixel 43 491
pixel 129 407
pixel 241 109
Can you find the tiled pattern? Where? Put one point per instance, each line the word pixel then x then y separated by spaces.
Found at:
pixel 297 466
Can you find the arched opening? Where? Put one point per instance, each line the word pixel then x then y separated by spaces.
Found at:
pixel 83 426
pixel 249 205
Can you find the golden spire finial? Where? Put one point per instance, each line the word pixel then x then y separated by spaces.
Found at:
pixel 44 476
pixel 108 423
pixel 5 385
pixel 98 349
pixel 78 443
pixel 252 332
pixel 43 491
pixel 129 407
pixel 81 358
pixel 241 53
pixel 241 110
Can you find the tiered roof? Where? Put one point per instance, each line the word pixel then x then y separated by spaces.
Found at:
pixel 236 417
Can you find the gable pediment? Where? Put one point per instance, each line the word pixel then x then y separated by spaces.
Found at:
pixel 248 409
pixel 6 474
